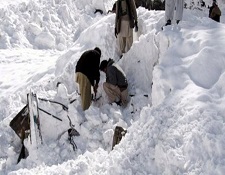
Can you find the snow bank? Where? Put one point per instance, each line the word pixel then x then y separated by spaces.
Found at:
pixel 45 24
pixel 174 126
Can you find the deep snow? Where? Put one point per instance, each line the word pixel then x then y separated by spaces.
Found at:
pixel 175 120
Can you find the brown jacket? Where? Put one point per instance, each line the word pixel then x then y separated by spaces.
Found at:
pixel 215 13
pixel 131 12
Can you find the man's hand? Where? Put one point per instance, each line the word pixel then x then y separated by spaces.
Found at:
pixel 136 26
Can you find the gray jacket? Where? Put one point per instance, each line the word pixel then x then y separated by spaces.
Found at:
pixel 115 75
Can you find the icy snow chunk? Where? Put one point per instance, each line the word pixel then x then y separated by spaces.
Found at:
pixel 45 40
pixel 61 47
pixel 104 118
pixel 108 135
pixel 93 145
pixel 93 116
pixel 122 123
pixel 85 130
pixel 34 29
pixel 61 42
pixel 4 41
pixel 116 115
pixel 63 12
pixel 62 91
pixel 47 16
pixel 64 153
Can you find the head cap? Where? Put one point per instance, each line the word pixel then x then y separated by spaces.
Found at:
pixel 103 65
pixel 98 50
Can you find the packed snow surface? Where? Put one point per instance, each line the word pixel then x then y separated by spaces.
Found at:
pixel 175 119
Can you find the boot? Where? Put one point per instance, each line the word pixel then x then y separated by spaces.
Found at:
pixel 168 22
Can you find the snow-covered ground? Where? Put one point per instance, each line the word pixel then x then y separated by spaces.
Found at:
pixel 174 120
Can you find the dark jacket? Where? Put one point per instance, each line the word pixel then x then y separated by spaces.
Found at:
pixel 88 64
pixel 115 75
pixel 131 12
pixel 215 13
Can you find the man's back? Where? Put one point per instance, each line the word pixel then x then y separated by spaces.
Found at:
pixel 115 75
pixel 88 64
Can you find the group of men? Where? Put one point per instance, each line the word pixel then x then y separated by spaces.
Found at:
pixel 126 19
pixel 88 75
pixel 88 66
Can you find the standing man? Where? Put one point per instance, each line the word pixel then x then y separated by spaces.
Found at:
pixel 126 20
pixel 116 82
pixel 87 75
pixel 170 6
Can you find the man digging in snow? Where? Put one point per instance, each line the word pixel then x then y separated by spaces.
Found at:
pixel 116 83
pixel 87 75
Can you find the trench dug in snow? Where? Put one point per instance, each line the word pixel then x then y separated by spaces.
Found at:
pixel 96 125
